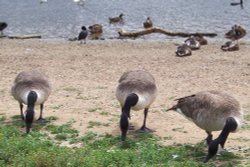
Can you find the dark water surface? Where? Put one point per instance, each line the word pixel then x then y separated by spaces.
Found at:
pixel 59 19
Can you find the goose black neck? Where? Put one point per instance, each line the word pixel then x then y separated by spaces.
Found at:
pixel 130 101
pixel 32 97
pixel 230 126
pixel 30 113
pixel 124 124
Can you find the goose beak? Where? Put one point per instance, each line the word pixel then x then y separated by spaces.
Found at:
pixel 172 108
pixel 28 127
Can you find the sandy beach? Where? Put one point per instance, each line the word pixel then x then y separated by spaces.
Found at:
pixel 84 79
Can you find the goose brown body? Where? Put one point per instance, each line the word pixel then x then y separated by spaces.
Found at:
pixel 210 109
pixel 139 82
pixel 31 80
pixel 192 43
pixel 183 50
pixel 230 46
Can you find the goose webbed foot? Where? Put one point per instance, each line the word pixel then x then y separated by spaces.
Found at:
pixel 145 129
pixel 41 120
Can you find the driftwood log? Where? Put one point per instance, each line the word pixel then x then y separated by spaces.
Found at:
pixel 136 34
pixel 24 36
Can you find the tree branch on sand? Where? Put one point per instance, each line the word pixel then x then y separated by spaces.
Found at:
pixel 24 36
pixel 136 34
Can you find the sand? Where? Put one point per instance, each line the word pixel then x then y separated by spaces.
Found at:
pixel 84 78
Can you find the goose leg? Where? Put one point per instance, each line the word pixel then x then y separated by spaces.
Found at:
pixel 21 110
pixel 41 119
pixel 144 128
pixel 209 137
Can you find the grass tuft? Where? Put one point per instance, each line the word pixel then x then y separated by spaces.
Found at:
pixel 140 149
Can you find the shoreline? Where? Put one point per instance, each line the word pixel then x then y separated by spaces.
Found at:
pixel 174 40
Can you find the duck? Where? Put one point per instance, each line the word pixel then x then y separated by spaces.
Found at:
pixel 201 39
pixel 236 3
pixel 183 50
pixel 192 43
pixel 79 2
pixel 95 29
pixel 3 25
pixel 230 46
pixel 212 111
pixel 237 32
pixel 136 90
pixel 31 88
pixel 43 1
pixel 148 23
pixel 83 35
pixel 116 19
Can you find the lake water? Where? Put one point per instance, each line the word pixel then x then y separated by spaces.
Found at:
pixel 62 19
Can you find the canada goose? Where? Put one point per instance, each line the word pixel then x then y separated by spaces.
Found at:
pixel 201 39
pixel 192 43
pixel 212 111
pixel 31 88
pixel 95 29
pixel 136 90
pixel 236 33
pixel 3 25
pixel 116 19
pixel 230 46
pixel 148 23
pixel 83 34
pixel 183 50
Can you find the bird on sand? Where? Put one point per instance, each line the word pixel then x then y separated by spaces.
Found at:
pixel 136 90
pixel 212 111
pixel 31 88
pixel 3 25
pixel 237 32
pixel 148 23
pixel 83 34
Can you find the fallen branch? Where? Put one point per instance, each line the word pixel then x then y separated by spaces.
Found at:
pixel 3 36
pixel 159 30
pixel 24 36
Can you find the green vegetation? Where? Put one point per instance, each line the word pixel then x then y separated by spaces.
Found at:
pixel 92 124
pixel 94 109
pixel 40 149
pixel 247 117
